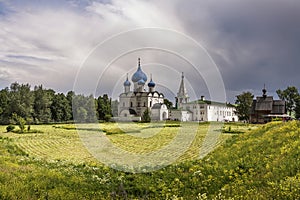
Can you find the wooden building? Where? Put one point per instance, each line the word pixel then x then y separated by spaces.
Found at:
pixel 264 108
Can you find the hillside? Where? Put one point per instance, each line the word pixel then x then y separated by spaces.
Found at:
pixel 260 164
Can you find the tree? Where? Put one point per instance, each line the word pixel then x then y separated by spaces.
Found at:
pixel 70 95
pixel 104 108
pixel 90 106
pixel 4 102
pixel 290 95
pixel 146 116
pixel 21 101
pixel 114 107
pixel 60 108
pixel 42 103
pixel 244 103
pixel 168 103
pixel 297 108
pixel 84 108
pixel 20 121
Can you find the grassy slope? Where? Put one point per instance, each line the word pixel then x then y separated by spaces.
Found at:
pixel 263 164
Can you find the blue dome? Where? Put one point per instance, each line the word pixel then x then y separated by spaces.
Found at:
pixel 141 82
pixel 127 83
pixel 151 84
pixel 139 74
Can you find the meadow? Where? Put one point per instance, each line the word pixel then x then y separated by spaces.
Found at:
pixel 63 142
pixel 249 162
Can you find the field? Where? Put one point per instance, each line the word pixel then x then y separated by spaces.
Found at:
pixel 261 163
pixel 66 142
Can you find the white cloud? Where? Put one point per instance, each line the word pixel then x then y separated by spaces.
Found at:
pixel 57 40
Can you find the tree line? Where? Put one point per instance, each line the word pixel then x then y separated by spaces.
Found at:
pixel 290 95
pixel 41 105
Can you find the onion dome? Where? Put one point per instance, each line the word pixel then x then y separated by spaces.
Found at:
pixel 141 82
pixel 139 74
pixel 151 83
pixel 127 83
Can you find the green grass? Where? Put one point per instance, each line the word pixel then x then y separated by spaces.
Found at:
pixel 259 164
pixel 62 142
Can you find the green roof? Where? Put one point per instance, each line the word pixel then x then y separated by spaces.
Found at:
pixel 211 103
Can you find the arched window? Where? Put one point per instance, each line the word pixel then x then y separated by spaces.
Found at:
pixel 131 104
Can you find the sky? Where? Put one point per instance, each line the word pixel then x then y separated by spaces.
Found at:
pixel 223 47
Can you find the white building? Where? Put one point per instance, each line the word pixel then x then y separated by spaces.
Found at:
pixel 133 103
pixel 200 110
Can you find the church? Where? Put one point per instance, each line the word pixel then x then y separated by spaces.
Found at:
pixel 133 103
pixel 264 109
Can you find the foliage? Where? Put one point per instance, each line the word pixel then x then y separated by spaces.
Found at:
pixel 168 103
pixel 146 116
pixel 42 104
pixel 10 128
pixel 290 95
pixel 20 101
pixel 84 108
pixel 107 118
pixel 244 102
pixel 104 107
pixel 61 108
pixel 20 121
pixel 297 108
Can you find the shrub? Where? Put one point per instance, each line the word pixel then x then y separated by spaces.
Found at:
pixel 107 118
pixel 10 128
pixel 20 121
pixel 146 116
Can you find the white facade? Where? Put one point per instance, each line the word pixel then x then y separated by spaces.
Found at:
pixel 201 110
pixel 133 103
pixel 180 115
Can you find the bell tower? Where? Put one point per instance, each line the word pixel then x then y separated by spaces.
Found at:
pixel 182 96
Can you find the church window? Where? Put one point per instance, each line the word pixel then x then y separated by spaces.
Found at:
pixel 131 104
pixel 144 104
pixel 123 104
pixel 150 103
pixel 139 104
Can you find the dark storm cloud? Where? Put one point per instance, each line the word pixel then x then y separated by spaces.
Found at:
pixel 253 42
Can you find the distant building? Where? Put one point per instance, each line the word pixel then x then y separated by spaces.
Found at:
pixel 133 103
pixel 264 108
pixel 200 110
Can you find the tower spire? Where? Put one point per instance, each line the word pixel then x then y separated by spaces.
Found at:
pixel 139 62
pixel 182 96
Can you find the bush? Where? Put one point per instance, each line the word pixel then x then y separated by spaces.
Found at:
pixel 10 128
pixel 107 118
pixel 20 121
pixel 146 116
